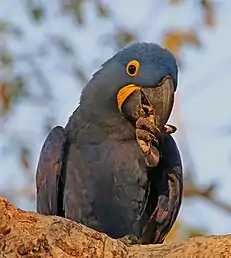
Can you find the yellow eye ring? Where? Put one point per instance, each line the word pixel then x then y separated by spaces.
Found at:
pixel 132 68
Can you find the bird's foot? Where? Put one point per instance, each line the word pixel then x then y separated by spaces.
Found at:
pixel 147 124
pixel 129 240
pixel 145 135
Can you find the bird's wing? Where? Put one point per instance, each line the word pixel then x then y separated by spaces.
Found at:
pixel 163 195
pixel 48 173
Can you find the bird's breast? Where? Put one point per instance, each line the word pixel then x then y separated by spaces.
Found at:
pixel 111 177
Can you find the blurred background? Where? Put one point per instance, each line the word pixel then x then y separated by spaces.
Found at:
pixel 50 49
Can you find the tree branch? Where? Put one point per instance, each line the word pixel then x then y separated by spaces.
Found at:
pixel 207 193
pixel 29 234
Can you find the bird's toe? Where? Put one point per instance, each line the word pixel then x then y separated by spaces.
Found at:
pixel 129 240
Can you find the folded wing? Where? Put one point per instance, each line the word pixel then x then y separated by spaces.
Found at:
pixel 163 195
pixel 49 182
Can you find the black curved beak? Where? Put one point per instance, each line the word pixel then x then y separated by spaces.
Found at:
pixel 161 100
pixel 158 100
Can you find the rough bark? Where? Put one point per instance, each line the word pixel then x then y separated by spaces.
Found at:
pixel 29 234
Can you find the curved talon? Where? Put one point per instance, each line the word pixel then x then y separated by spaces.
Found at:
pixel 169 129
pixel 129 240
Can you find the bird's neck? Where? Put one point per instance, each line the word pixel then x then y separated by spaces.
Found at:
pixel 100 125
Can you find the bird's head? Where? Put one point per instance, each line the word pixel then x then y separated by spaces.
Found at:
pixel 140 74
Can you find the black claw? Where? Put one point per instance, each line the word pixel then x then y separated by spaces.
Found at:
pixel 129 240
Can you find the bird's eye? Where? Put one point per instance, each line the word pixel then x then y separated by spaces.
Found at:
pixel 132 68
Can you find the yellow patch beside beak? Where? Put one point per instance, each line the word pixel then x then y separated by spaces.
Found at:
pixel 124 93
